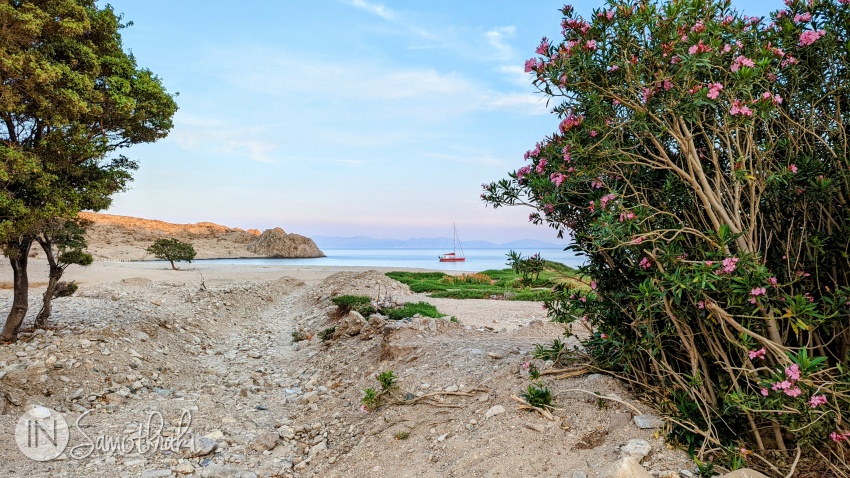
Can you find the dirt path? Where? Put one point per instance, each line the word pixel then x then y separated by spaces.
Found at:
pixel 126 350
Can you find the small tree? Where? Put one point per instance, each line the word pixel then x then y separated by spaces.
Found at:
pixel 172 250
pixel 69 239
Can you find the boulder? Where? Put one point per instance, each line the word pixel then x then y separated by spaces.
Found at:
pixel 277 243
pixel 350 325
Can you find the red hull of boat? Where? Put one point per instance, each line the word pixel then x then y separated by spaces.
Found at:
pixel 452 259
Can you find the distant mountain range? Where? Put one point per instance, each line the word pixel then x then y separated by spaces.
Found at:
pixel 362 242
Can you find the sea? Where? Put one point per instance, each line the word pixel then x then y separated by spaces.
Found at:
pixel 476 259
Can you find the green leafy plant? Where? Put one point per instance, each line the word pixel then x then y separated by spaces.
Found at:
pixel 538 396
pixel 327 334
pixel 172 250
pixel 359 303
pixel 388 381
pixel 553 352
pixel 402 435
pixel 298 335
pixel 371 399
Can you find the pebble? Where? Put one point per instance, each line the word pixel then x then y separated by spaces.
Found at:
pixel 156 473
pixel 452 388
pixel 493 411
pixel 648 422
pixel 204 445
pixel 636 448
pixel 266 441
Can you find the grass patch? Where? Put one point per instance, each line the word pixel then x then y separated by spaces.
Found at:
pixel 410 309
pixel 491 284
pixel 360 303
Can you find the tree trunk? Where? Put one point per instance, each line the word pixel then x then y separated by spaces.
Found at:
pixel 172 264
pixel 55 274
pixel 18 251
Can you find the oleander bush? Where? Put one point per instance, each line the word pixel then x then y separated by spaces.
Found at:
pixel 701 165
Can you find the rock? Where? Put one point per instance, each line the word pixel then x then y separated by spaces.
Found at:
pixel 184 469
pixel 493 411
pixel 579 474
pixel 373 327
pixel 277 243
pixel 285 432
pixel 625 468
pixel 452 388
pixel 203 446
pixel 221 471
pixel 619 420
pixel 647 422
pixel 636 448
pixel 350 325
pixel 156 473
pixel 266 441
pixel 744 473
pixel 318 448
pixel 254 354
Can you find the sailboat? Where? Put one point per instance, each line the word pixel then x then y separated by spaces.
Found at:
pixel 453 256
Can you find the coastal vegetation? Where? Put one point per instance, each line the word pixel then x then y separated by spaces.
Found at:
pixel 172 250
pixel 700 164
pixel 365 306
pixel 70 98
pixel 505 284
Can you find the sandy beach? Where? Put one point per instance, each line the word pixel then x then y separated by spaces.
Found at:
pixel 216 342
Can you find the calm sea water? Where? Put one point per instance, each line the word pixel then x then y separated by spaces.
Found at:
pixel 476 259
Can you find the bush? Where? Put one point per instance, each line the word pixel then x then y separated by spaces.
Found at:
pixel 700 166
pixel 410 309
pixel 172 251
pixel 359 303
pixel 65 289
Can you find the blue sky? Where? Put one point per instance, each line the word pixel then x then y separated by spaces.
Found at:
pixel 342 117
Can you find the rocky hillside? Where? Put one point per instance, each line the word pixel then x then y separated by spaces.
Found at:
pixel 126 238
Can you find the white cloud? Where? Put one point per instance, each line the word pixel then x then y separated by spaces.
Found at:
pixel 496 37
pixel 374 8
pixel 214 136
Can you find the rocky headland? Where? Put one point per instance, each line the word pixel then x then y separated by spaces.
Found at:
pixel 114 237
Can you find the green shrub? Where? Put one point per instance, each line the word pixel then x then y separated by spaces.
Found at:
pixel 699 164
pixel 65 289
pixel 410 309
pixel 327 334
pixel 537 396
pixel 359 303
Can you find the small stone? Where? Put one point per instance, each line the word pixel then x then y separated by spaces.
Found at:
pixel 647 422
pixel 184 468
pixel 316 449
pixel 136 462
pixel 579 474
pixel 494 356
pixel 425 386
pixel 156 473
pixel 254 354
pixel 493 411
pixel 286 433
pixel 266 441
pixel 203 446
pixel 636 448
pixel 215 435
pixel 625 468
pixel 744 473
pixel 452 388
pixel 535 426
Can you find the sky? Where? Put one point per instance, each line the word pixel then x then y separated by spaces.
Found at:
pixel 342 117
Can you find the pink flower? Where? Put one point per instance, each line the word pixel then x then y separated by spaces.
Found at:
pixel 543 48
pixel 645 263
pixel 557 179
pixel 811 36
pixel 593 133
pixel 613 68
pixel 531 64
pixel 757 291
pixel 802 17
pixel 364 409
pixel 772 281
pixel 764 392
pixel 526 365
pixel 738 108
pixel 793 392
pixel 729 264
pixel 570 122
pixel 714 90
pixel 727 48
pixel 793 168
pixel 783 385
pixel 593 285
pixel 637 240
pixel 793 372
pixel 541 165
pixel 603 336
pixel 701 304
pixel 740 61
pixel 839 437
pixel 817 400
pixel 590 45
pixel 757 353
pixel 700 47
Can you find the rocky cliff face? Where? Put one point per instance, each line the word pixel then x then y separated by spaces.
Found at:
pixel 277 243
pixel 126 238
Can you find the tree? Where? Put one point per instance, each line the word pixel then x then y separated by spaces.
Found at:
pixel 68 236
pixel 701 165
pixel 69 98
pixel 172 250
